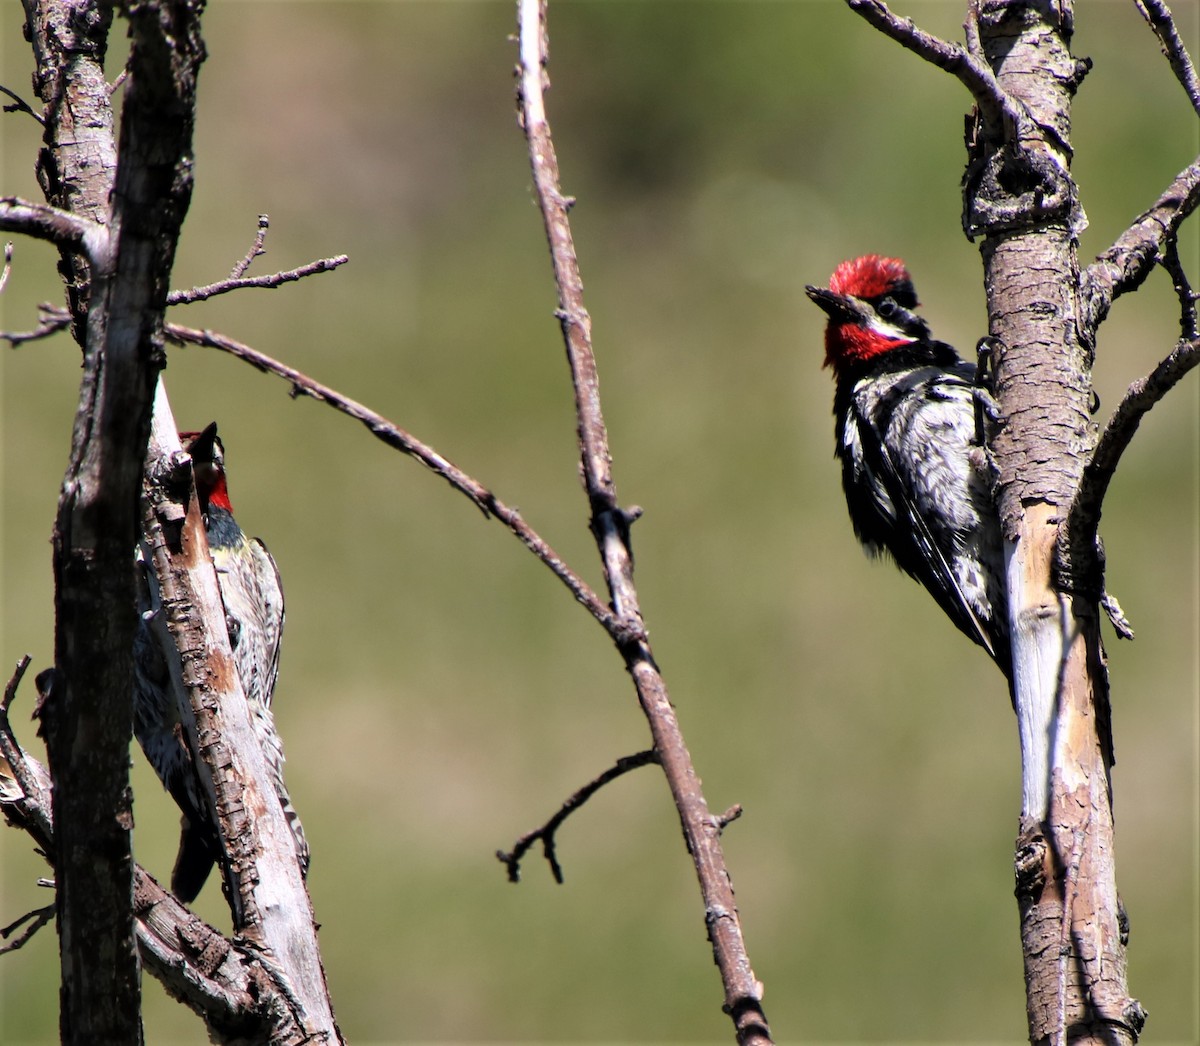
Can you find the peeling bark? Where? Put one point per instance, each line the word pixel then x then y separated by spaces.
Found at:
pixel 1074 954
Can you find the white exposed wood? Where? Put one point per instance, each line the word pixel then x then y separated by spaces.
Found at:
pixel 264 885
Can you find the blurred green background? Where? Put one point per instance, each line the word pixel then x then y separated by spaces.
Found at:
pixel 441 693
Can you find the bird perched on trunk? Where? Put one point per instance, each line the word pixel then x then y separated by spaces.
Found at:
pixel 908 428
pixel 253 599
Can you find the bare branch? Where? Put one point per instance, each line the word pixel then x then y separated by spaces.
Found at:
pixel 610 526
pixel 227 983
pixel 1078 541
pixel 36 919
pixel 53 318
pixel 32 793
pixel 275 279
pixel 1183 289
pixel 21 106
pixel 394 436
pixel 512 859
pixel 44 222
pixel 10 688
pixel 1127 263
pixel 256 248
pixel 1160 19
pixel 967 64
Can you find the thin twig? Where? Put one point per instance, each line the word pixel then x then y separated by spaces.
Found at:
pixel 10 688
pixel 256 248
pixel 39 917
pixel 971 31
pixel 512 859
pixel 1160 19
pixel 53 318
pixel 1183 289
pixel 967 64
pixel 8 253
pixel 1078 537
pixel 1127 263
pixel 275 279
pixel 396 437
pixel 21 106
pixel 610 526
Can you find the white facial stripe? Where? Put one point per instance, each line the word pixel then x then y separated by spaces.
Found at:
pixel 878 325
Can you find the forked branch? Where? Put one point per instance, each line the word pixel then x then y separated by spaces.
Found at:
pixel 610 526
pixel 1127 263
pixel 275 279
pixel 511 859
pixel 226 982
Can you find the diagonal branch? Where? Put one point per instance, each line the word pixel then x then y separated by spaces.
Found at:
pixel 511 859
pixel 968 65
pixel 396 437
pixel 1127 263
pixel 59 227
pixel 1160 19
pixel 36 920
pixel 1079 536
pixel 20 105
pixel 610 526
pixel 225 982
pixel 264 886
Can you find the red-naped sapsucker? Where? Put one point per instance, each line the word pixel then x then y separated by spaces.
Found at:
pixel 909 418
pixel 253 599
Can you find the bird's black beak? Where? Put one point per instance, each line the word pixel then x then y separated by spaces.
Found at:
pixel 839 307
pixel 204 447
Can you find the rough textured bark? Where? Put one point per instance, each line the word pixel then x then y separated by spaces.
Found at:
pixel 1070 924
pixel 77 165
pixel 225 982
pixel 117 295
pixel 262 879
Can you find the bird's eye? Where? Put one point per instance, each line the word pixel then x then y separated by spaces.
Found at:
pixel 887 308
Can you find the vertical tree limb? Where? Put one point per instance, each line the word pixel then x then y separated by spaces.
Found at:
pixel 87 714
pixel 1073 953
pixel 610 526
pixel 1019 196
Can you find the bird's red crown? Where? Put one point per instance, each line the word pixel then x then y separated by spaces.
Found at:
pixel 869 276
